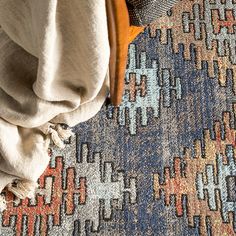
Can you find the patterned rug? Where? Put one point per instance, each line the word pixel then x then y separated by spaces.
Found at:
pixel 164 162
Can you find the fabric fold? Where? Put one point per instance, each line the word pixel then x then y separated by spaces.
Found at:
pixel 54 69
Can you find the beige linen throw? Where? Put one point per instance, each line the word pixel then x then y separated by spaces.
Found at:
pixel 54 57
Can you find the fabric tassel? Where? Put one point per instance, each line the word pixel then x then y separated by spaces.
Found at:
pixel 3 203
pixel 64 133
pixel 58 134
pixel 23 188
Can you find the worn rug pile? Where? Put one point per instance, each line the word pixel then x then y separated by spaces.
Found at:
pixel 164 162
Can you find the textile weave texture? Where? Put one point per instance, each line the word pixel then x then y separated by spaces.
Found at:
pixel 143 12
pixel 163 163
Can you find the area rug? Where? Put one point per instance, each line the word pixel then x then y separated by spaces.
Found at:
pixel 163 163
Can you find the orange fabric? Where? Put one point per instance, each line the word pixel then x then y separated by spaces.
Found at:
pixel 120 35
pixel 134 31
pixel 118 28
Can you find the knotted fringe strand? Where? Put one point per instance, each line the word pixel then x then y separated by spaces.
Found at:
pixel 23 188
pixel 58 134
pixel 3 203
pixel 20 188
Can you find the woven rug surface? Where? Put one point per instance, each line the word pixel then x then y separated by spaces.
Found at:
pixel 164 162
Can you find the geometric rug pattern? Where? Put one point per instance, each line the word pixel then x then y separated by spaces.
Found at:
pixel 164 161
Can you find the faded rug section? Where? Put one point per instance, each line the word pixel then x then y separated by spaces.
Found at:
pixel 163 163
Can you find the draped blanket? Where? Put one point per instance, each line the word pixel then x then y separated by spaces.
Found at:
pixel 54 61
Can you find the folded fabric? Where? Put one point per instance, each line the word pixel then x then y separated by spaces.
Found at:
pixel 54 64
pixel 143 12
